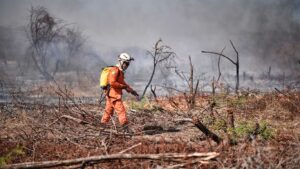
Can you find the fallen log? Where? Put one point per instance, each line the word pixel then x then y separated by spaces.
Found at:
pixel 206 131
pixel 97 159
pixel 202 128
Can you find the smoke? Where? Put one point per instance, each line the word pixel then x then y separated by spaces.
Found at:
pixel 264 32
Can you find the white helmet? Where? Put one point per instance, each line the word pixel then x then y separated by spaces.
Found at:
pixel 125 57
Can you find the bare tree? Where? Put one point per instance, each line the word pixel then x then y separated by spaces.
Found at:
pixel 161 53
pixel 52 44
pixel 236 63
pixel 42 31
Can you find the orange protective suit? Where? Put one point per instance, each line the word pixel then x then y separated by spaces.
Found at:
pixel 114 96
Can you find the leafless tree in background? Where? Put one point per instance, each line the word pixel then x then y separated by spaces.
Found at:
pixel 43 30
pixel 52 44
pixel 161 53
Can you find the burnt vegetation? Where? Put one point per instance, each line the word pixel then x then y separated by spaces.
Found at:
pixel 51 123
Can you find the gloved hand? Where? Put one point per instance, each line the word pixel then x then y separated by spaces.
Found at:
pixel 130 90
pixel 134 93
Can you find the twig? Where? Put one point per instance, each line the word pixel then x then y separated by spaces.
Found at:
pixel 130 148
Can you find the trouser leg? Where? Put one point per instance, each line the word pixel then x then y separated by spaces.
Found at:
pixel 121 112
pixel 109 110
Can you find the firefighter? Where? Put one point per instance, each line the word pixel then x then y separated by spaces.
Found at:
pixel 114 92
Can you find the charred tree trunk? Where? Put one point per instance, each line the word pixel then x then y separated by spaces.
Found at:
pixel 207 132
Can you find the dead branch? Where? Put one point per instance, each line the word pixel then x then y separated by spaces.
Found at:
pixel 236 63
pixel 214 86
pixel 219 62
pixel 98 159
pixel 153 92
pixel 161 53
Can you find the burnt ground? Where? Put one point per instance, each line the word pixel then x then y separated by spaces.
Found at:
pixel 265 135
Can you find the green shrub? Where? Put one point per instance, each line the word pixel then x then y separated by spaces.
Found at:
pixel 244 129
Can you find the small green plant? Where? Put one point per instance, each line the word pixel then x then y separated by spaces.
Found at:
pixel 18 150
pixel 265 131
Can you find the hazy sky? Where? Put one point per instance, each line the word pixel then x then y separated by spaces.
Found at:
pixel 188 26
pixel 123 23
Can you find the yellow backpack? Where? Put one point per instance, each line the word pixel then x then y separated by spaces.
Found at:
pixel 104 77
